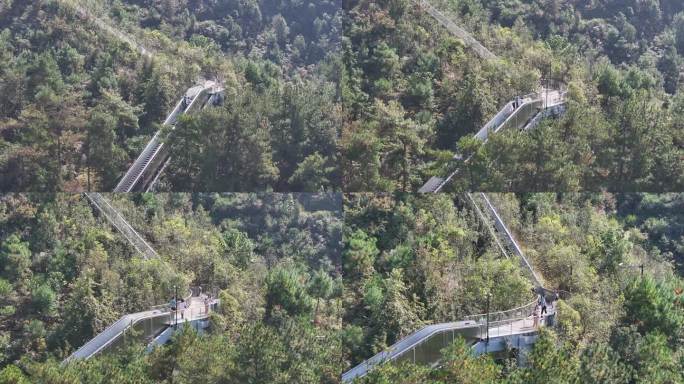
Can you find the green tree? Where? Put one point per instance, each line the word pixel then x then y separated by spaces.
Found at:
pixel 678 23
pixel 548 360
pixel 669 65
pixel 104 156
pixel 654 307
pixel 321 287
pixel 11 374
pixel 599 363
pixel 44 299
pixel 404 142
pixel 155 97
pixel 286 289
pixel 221 149
pixel 460 366
pixel 84 314
pixel 359 256
pixel 311 174
pixel 15 259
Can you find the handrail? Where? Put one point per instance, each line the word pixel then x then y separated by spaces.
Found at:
pixel 195 97
pixel 116 219
pixel 494 125
pixel 155 145
pixel 127 321
pixel 457 31
pixel 516 248
pixel 501 315
pixel 491 321
pixel 478 330
pixel 489 228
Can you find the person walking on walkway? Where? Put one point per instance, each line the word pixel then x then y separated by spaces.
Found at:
pixel 535 316
pixel 181 308
pixel 542 302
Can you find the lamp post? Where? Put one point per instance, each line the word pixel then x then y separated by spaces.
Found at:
pixel 489 296
pixel 175 310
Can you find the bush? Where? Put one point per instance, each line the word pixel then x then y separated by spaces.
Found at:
pixel 44 299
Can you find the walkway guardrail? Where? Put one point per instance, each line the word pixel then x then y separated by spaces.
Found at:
pixel 119 222
pixel 153 321
pixel 426 344
pixel 457 31
pixel 145 169
pixel 502 316
pixel 521 113
pixel 512 244
pixel 486 223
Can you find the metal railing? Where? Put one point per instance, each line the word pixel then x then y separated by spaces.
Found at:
pixel 502 316
pixel 511 115
pixel 486 223
pixel 144 171
pixel 425 345
pixel 87 14
pixel 457 31
pixel 153 321
pixel 503 230
pixel 117 220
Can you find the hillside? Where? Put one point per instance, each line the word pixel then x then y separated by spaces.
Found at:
pixel 86 84
pixel 416 94
pixel 307 293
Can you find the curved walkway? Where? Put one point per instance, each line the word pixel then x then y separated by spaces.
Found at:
pixel 425 344
pixel 499 327
pixel 162 317
pixel 523 112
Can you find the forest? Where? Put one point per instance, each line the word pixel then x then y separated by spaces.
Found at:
pixel 280 218
pixel 356 96
pixel 414 95
pixel 67 274
pixel 312 284
pixel 85 84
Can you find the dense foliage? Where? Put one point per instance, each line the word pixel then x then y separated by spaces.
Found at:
pixel 415 95
pixel 66 275
pixel 78 102
pixel 79 98
pixel 616 326
pixel 661 217
pixel 306 295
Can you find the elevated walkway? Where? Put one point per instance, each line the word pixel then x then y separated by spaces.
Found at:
pixel 455 30
pixel 501 231
pixel 120 223
pixel 145 170
pixel 513 329
pixel 523 113
pixel 491 332
pixel 155 326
